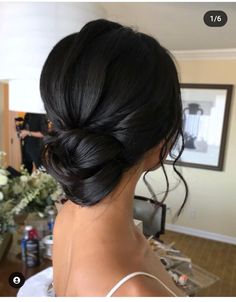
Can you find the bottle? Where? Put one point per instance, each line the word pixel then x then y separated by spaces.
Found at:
pixel 32 249
pixel 51 220
pixel 23 240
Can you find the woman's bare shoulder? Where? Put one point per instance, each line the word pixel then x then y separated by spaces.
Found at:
pixel 144 286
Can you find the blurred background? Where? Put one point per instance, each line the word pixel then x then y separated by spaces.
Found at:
pixel 205 231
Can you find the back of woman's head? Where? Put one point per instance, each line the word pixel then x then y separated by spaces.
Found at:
pixel 111 94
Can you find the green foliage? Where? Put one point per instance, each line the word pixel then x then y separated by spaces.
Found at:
pixel 25 194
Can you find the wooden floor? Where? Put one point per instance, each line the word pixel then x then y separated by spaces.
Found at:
pixel 216 257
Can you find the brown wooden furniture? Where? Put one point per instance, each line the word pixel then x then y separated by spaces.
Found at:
pixel 11 262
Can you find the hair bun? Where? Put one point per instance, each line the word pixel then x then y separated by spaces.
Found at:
pixel 91 162
pixel 120 87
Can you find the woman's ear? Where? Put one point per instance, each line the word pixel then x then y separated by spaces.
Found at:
pixel 152 157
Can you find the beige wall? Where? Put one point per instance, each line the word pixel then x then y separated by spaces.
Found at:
pixel 4 121
pixel 1 117
pixel 212 194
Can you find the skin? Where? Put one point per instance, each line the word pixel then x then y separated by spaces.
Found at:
pixel 95 247
pixel 25 133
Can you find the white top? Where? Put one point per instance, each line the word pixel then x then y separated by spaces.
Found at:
pixel 126 278
pixel 39 284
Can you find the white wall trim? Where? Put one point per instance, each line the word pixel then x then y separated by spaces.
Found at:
pixel 200 233
pixel 205 54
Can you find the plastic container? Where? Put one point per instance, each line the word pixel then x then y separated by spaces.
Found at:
pixel 51 220
pixel 23 241
pixel 48 244
pixel 32 249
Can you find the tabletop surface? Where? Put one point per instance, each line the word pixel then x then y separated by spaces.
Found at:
pixel 11 263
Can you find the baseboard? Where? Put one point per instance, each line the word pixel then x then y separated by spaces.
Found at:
pixel 205 54
pixel 200 233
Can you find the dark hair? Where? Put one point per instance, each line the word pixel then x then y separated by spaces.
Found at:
pixel 111 93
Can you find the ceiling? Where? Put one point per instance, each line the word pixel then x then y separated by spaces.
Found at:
pixel 177 25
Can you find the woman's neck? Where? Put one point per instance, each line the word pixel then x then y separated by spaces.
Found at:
pixel 112 216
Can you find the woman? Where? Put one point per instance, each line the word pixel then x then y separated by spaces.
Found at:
pixel 113 97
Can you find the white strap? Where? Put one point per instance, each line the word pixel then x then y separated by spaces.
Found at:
pixel 123 280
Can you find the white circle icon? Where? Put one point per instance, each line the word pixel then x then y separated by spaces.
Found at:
pixel 16 280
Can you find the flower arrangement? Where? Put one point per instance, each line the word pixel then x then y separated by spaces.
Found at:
pixel 25 193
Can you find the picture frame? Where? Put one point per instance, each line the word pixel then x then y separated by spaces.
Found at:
pixel 206 110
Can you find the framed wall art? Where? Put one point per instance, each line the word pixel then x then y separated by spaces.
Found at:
pixel 205 121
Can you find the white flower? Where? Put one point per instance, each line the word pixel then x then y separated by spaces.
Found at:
pixel 23 178
pixel 1 196
pixel 54 196
pixel 3 172
pixel 45 177
pixel 17 189
pixel 3 180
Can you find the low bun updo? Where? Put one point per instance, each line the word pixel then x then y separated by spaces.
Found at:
pixel 76 158
pixel 111 94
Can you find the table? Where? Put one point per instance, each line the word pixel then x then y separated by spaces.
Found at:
pixel 179 264
pixel 11 262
